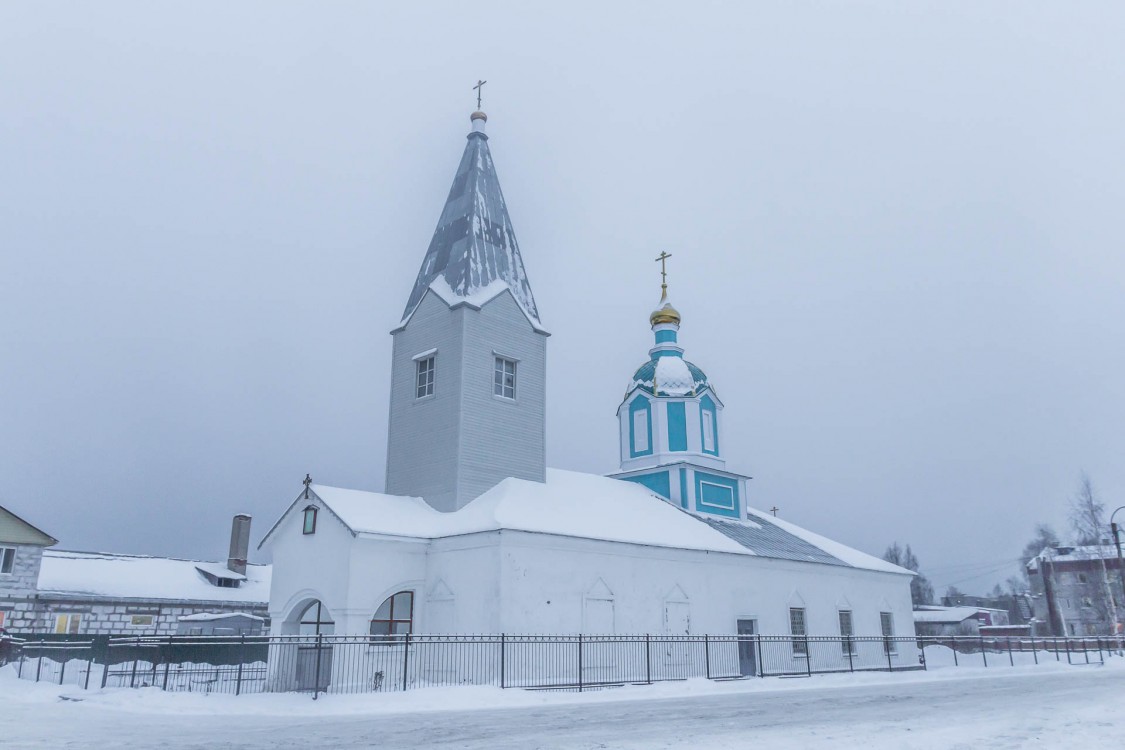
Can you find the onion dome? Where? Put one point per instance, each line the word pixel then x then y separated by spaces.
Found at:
pixel 670 376
pixel 665 313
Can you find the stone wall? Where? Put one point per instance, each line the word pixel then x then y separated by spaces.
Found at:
pixel 25 571
pixel 24 616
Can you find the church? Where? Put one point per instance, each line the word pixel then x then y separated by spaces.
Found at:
pixel 474 534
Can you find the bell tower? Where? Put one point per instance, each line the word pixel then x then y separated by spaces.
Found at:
pixel 468 378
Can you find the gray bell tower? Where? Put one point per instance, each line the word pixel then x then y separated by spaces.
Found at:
pixel 468 379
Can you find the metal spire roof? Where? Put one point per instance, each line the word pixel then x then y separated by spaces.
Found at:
pixel 474 245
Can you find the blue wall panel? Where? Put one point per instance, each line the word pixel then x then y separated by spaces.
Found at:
pixel 659 483
pixel 677 426
pixel 718 495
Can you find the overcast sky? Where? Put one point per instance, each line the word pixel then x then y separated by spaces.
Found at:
pixel 897 231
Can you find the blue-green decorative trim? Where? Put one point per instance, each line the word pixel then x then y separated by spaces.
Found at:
pixel 717 495
pixel 683 488
pixel 677 426
pixel 706 404
pixel 660 483
pixel 665 337
pixel 646 374
pixel 639 404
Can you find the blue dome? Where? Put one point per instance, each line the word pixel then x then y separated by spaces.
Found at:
pixel 670 376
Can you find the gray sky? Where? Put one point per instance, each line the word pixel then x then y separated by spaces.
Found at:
pixel 896 229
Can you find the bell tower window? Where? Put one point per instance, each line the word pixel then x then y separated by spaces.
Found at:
pixel 424 381
pixel 504 378
pixel 309 525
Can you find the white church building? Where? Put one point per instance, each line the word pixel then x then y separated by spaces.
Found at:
pixel 474 533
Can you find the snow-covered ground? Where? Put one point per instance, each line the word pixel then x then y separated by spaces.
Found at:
pixel 1049 705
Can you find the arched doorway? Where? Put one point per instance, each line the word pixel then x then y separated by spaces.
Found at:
pixel 314 655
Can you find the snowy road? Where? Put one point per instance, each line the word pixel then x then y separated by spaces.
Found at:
pixel 1080 707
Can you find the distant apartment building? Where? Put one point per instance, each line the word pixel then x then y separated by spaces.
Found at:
pixel 1072 594
pixel 57 592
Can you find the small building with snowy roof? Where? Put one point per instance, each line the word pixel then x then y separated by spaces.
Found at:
pixel 474 534
pixel 64 592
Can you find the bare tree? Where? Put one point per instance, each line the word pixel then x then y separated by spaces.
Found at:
pixel 1045 537
pixel 1087 519
pixel 921 590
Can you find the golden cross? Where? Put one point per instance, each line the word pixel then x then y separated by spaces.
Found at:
pixel 664 256
pixel 477 88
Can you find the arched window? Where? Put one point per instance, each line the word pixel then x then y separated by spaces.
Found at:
pixel 316 620
pixel 310 520
pixel 395 617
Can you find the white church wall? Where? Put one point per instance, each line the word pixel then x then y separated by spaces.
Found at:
pixel 719 589
pixel 308 566
pixel 467 566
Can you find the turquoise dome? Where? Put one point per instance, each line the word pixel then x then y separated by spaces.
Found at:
pixel 670 376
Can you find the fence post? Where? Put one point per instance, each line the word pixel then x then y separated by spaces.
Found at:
pixel 167 665
pixel 105 665
pixel 62 667
pixel 19 669
pixel 405 660
pixel 954 639
pixel 983 654
pixel 1034 653
pixel 316 672
pixel 648 659
pixel 887 647
pixel 808 657
pixel 580 662
pixel 1085 653
pixel 1011 660
pixel 39 664
pixel 922 649
pixel 707 654
pixel 851 664
pixel 1067 641
pixel 761 664
pixel 89 667
pixel 241 661
pixel 503 643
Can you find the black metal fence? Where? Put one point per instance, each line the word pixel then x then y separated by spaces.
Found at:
pixel 363 664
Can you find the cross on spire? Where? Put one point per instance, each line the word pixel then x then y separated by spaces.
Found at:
pixel 477 88
pixel 662 260
pixel 307 482
pixel 774 510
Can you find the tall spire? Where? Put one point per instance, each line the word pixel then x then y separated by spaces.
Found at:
pixel 474 253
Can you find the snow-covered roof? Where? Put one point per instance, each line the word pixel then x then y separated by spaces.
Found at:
pixel 588 506
pixel 945 614
pixel 212 616
pixel 1063 553
pixel 219 570
pixel 112 576
pixel 474 245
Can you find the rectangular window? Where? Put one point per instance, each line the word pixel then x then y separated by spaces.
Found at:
pixel 708 431
pixel 1082 578
pixel 141 621
pixel 7 560
pixel 67 624
pixel 640 431
pixel 309 526
pixel 424 384
pixel 798 631
pixel 504 380
pixel 887 622
pixel 847 645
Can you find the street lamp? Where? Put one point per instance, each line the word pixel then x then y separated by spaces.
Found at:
pixel 1117 543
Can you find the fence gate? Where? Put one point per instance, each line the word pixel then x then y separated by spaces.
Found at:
pixel 747 655
pixel 309 676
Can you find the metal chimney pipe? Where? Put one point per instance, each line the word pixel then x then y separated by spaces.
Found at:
pixel 239 543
